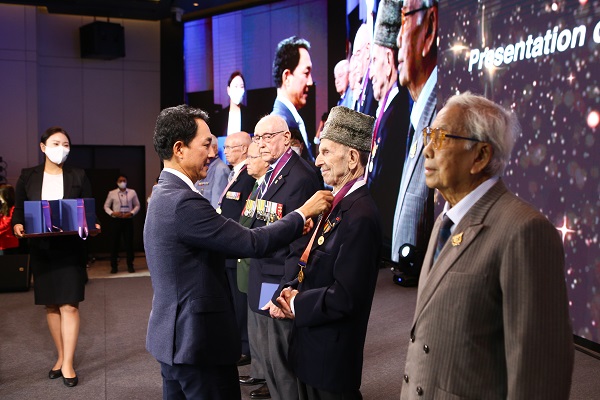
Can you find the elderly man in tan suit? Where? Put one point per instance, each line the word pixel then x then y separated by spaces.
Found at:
pixel 491 320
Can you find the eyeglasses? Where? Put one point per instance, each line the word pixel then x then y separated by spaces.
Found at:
pixel 231 147
pixel 253 157
pixel 266 137
pixel 411 12
pixel 436 137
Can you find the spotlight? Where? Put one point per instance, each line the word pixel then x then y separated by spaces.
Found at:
pixel 406 272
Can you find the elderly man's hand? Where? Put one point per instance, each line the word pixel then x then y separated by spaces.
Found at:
pixel 318 203
pixel 284 300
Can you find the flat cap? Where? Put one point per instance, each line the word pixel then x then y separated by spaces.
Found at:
pixel 348 127
pixel 388 23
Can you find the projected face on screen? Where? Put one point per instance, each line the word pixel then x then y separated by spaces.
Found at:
pixel 540 59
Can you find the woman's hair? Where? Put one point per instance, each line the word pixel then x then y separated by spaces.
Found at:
pixel 7 198
pixel 51 131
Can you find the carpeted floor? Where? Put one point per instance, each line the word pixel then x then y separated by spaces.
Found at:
pixel 112 363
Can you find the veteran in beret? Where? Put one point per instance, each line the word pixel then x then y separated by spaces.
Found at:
pixel 330 300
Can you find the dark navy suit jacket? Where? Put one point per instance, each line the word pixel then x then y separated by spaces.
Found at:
pixel 192 319
pixel 333 306
pixel 293 185
pixel 232 208
pixel 280 109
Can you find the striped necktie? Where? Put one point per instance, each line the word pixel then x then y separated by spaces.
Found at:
pixel 443 235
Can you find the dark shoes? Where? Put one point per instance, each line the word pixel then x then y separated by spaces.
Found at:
pixel 54 373
pixel 57 373
pixel 130 269
pixel 70 382
pixel 113 270
pixel 244 360
pixel 248 380
pixel 261 393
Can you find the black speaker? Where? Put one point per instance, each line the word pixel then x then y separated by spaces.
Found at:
pixel 102 40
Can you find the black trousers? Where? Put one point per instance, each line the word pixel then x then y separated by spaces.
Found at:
pixel 182 381
pixel 122 227
pixel 310 393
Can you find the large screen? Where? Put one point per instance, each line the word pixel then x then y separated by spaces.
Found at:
pixel 541 59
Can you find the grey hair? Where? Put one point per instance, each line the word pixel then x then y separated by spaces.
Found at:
pixel 488 122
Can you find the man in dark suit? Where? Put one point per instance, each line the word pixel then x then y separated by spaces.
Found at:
pixel 292 76
pixel 363 99
pixel 231 203
pixel 492 314
pixel 417 71
pixel 192 330
pixel 289 182
pixel 389 135
pixel 235 117
pixel 330 301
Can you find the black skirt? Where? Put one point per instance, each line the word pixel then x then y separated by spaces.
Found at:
pixel 59 269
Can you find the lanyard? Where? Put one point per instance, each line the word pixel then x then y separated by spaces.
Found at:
pixel 280 164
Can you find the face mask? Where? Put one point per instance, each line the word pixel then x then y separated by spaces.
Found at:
pixel 122 185
pixel 57 155
pixel 236 95
pixel 296 149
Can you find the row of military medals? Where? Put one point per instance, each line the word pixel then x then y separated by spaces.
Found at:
pixel 328 227
pixel 268 211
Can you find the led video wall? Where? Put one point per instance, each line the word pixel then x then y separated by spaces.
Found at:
pixel 542 60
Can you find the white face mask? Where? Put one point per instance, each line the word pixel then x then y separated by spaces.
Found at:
pixel 57 154
pixel 122 185
pixel 236 95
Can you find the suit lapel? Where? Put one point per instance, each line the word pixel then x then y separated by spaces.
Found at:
pixel 279 180
pixel 336 218
pixel 410 164
pixel 470 227
pixel 67 183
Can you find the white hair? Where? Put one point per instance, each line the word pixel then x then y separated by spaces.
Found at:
pixel 488 122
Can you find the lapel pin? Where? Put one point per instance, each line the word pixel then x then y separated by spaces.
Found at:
pixel 457 239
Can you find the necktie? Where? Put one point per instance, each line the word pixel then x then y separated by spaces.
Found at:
pixel 265 183
pixel 409 138
pixel 231 175
pixel 443 235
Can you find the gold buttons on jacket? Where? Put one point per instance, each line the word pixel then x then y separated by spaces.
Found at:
pixel 419 390
pixel 426 349
pixel 405 378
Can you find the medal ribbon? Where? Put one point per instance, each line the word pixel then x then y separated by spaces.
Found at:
pixel 280 164
pixel 336 199
pixel 379 117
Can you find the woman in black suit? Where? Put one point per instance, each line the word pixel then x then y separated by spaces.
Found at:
pixel 58 263
pixel 235 117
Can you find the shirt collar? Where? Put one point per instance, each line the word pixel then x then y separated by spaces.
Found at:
pixel 183 177
pixel 461 208
pixel 238 167
pixel 420 103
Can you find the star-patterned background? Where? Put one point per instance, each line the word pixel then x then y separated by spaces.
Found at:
pixel 555 163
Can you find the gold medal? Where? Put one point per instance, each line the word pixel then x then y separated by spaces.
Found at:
pixel 300 275
pixel 413 150
pixel 321 240
pixel 219 210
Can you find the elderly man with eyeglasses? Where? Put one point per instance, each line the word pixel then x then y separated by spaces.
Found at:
pixel 417 71
pixel 289 182
pixel 231 203
pixel 492 318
